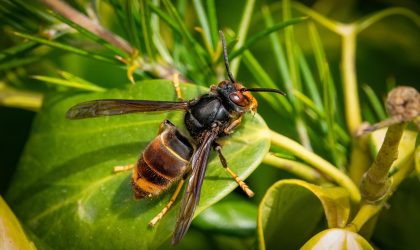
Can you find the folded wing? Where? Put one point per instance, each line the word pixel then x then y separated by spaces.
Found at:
pixel 118 107
pixel 192 193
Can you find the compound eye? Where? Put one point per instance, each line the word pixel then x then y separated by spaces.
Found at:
pixel 238 99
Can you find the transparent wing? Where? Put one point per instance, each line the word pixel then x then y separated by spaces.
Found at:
pixel 192 193
pixel 118 107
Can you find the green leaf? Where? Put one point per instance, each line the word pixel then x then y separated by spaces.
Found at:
pixel 66 192
pixel 90 35
pixel 202 18
pixel 265 80
pixel 158 42
pixel 65 47
pixel 278 53
pixel 291 210
pixel 195 239
pixel 147 31
pixel 337 239
pixel 255 38
pixel 74 83
pixel 375 102
pixel 195 47
pixel 165 17
pixel 308 80
pixel 18 62
pixel 212 19
pixel 12 235
pixel 132 13
pixel 232 216
pixel 321 63
pixel 17 50
pixel 242 32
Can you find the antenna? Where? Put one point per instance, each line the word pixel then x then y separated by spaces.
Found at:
pixel 263 90
pixel 225 56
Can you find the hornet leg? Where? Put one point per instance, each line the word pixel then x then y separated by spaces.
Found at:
pixel 162 213
pixel 175 81
pixel 238 180
pixel 233 125
pixel 123 168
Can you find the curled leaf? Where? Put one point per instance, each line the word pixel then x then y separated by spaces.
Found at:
pixel 12 235
pixel 291 210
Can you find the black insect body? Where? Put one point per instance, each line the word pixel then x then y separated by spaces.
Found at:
pixel 171 157
pixel 214 110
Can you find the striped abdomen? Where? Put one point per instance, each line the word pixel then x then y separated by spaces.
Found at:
pixel 164 161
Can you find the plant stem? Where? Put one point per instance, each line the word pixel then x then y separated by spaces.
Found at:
pixel 369 210
pixel 319 163
pixel 294 75
pixel 297 168
pixel 376 183
pixel 368 21
pixel 365 212
pixel 11 97
pixel 348 72
pixel 202 17
pixel 403 105
pixel 330 24
pixel 67 11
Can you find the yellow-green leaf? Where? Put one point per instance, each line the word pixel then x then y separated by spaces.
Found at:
pixel 291 210
pixel 12 235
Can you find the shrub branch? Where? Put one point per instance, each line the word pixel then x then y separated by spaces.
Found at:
pixel 161 71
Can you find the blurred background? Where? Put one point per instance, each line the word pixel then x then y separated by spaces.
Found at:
pixel 387 54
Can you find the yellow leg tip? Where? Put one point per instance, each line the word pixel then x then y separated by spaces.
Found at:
pixel 249 192
pixel 118 169
pixel 153 222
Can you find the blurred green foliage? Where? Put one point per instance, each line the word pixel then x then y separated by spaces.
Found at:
pixel 42 56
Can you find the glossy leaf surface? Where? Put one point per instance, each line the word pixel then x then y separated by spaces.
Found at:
pixel 291 210
pixel 66 192
pixel 232 216
pixel 12 235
